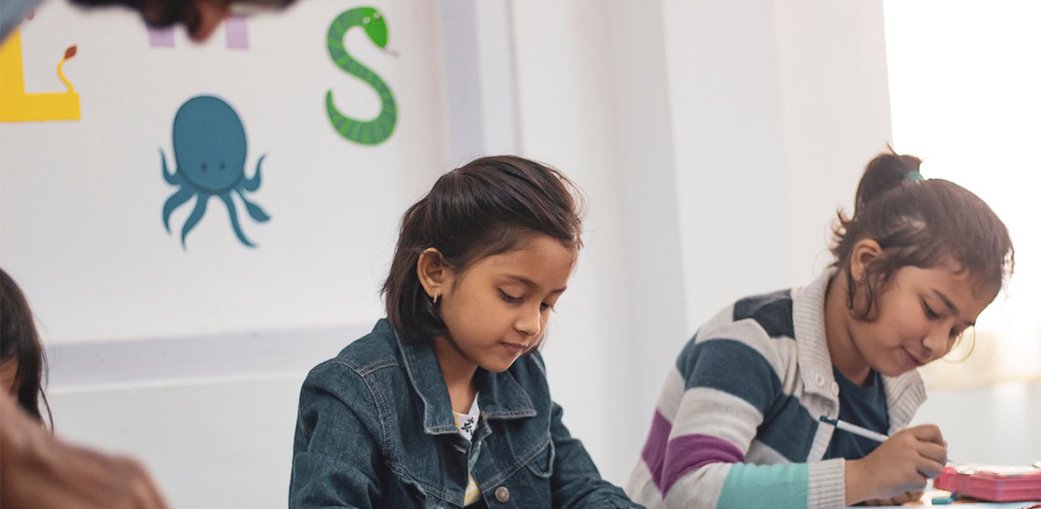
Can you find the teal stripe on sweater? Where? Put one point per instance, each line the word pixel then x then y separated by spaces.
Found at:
pixel 774 486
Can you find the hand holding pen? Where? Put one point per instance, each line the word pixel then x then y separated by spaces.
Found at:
pixel 902 464
pixel 874 435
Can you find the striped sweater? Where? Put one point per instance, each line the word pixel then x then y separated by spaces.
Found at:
pixel 736 425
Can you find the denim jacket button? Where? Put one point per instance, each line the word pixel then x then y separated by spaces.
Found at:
pixel 502 494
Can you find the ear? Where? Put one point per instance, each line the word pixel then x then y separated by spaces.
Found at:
pixel 209 15
pixel 434 274
pixel 865 251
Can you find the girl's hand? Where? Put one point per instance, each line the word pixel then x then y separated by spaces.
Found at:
pixel 910 496
pixel 901 464
pixel 41 471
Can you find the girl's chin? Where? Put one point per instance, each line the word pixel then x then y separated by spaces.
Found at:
pixel 497 365
pixel 894 369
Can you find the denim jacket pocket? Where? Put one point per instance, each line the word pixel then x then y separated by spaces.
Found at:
pixel 434 503
pixel 542 464
pixel 424 499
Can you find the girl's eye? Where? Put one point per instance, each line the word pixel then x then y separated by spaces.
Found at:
pixel 547 307
pixel 509 298
pixel 929 311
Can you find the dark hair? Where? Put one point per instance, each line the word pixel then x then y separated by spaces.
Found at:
pixel 922 223
pixel 486 207
pixel 167 13
pixel 20 342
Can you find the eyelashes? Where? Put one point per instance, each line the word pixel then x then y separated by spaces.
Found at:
pixel 933 315
pixel 510 299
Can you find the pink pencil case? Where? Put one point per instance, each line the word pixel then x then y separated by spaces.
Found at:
pixel 992 483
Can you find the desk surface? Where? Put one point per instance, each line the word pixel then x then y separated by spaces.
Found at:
pixel 959 504
pixel 962 505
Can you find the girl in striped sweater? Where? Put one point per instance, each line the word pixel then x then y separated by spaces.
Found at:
pixel 738 421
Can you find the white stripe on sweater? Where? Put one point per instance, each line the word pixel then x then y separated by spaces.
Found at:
pixel 712 412
pixel 641 487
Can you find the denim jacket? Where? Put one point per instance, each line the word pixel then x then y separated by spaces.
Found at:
pixel 375 429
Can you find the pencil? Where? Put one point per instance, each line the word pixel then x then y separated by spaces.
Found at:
pixel 853 428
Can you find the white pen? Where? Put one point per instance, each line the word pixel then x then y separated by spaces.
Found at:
pixel 862 432
pixel 853 428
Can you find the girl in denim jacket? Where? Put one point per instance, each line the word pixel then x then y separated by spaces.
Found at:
pixel 445 403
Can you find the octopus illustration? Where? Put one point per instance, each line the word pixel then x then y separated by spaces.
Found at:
pixel 209 145
pixel 365 132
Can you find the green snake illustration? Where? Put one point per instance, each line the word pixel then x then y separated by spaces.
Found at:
pixel 371 132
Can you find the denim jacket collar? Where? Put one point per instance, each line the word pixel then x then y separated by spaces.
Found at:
pixel 500 396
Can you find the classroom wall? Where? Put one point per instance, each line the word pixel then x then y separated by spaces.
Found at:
pixel 190 356
pixel 994 425
pixel 713 141
pixel 83 224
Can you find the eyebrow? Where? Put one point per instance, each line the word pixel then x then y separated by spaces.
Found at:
pixel 531 284
pixel 952 307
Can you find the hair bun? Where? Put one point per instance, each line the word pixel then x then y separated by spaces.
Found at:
pixel 885 172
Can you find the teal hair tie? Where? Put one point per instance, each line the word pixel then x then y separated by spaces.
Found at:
pixel 913 175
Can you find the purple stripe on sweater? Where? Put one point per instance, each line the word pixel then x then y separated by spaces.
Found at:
pixel 654 450
pixel 690 452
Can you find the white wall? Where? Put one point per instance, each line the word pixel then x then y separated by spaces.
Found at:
pixel 713 140
pixel 993 425
pixel 82 226
pixel 192 359
pixel 209 443
pixel 567 117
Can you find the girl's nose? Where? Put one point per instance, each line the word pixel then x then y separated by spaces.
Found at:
pixel 937 341
pixel 530 323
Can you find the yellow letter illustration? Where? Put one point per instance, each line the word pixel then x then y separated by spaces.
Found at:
pixel 18 106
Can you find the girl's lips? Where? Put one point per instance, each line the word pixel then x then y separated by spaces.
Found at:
pixel 517 347
pixel 914 360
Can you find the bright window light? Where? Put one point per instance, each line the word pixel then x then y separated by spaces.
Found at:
pixel 965 93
